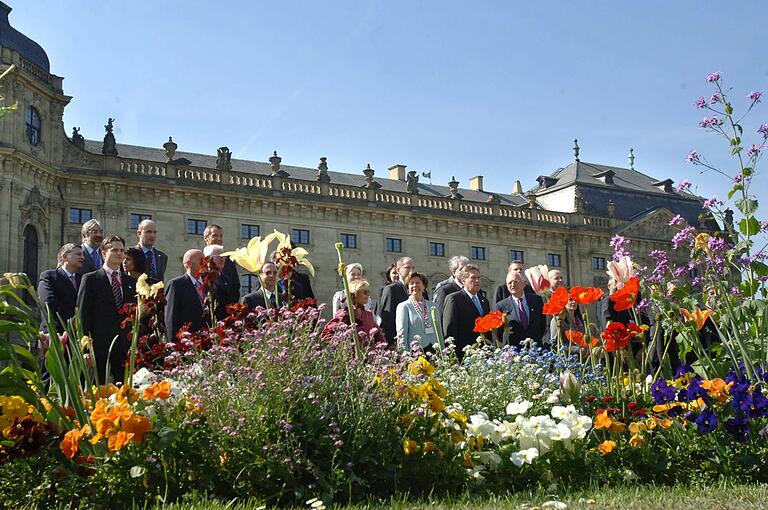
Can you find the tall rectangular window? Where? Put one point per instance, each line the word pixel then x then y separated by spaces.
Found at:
pixel 248 283
pixel 249 231
pixel 196 227
pixel 299 236
pixel 393 245
pixel 598 263
pixel 517 255
pixel 348 240
pixel 79 216
pixel 477 253
pixel 137 218
pixel 437 249
pixel 553 260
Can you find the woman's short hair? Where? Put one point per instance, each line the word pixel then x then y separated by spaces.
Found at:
pixel 138 258
pixel 351 267
pixel 416 275
pixel 389 272
pixel 357 285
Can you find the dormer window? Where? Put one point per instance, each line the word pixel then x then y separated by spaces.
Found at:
pixel 32 119
pixel 606 176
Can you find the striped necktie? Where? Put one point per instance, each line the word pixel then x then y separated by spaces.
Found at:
pixel 117 290
pixel 151 262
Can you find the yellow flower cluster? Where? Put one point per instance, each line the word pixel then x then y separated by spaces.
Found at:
pixel 12 407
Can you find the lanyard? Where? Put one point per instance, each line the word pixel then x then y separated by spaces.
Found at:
pixel 422 311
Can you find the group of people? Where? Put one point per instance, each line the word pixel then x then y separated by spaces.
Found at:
pixel 99 275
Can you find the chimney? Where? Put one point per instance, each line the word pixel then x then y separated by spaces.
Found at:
pixel 517 188
pixel 397 172
pixel 476 183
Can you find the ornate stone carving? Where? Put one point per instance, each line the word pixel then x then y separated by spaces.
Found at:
pixel 322 171
pixel 80 158
pixel 223 159
pixel 170 149
pixel 653 226
pixel 274 164
pixel 411 183
pixel 369 182
pixel 453 185
pixel 35 210
pixel 109 147
pixel 494 199
pixel 77 138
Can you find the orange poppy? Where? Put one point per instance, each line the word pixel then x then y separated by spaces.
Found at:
pixel 586 295
pixel 577 337
pixel 698 316
pixel 625 297
pixel 489 322
pixel 557 302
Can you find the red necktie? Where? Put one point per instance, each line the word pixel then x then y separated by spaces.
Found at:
pixel 523 314
pixel 116 290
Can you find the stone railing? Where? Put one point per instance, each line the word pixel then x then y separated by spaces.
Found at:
pixel 190 174
pixel 34 70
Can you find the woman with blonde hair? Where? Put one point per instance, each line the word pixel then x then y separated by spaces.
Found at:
pixel 367 328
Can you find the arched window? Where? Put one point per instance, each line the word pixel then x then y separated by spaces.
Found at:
pixel 32 119
pixel 30 267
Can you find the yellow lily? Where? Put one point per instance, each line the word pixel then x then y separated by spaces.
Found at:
pixel 698 316
pixel 299 253
pixel 253 256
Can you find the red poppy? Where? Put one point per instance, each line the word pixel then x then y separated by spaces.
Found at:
pixel 625 297
pixel 586 295
pixel 618 336
pixel 489 322
pixel 557 302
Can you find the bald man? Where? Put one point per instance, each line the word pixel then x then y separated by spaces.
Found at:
pixel 186 297
pixel 157 261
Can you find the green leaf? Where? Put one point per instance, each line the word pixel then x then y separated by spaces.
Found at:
pixel 741 129
pixel 749 288
pixel 735 140
pixel 759 268
pixel 728 108
pixel 747 206
pixel 747 171
pixel 749 226
pixel 736 187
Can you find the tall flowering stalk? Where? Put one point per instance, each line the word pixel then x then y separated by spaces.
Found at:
pixel 350 306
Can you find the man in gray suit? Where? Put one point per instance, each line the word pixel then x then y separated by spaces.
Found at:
pixel 451 284
pixel 92 235
pixel 157 261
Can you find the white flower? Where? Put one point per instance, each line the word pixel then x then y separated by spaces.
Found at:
pixel 514 408
pixel 524 456
pixel 560 432
pixel 490 459
pixel 143 379
pixel 553 505
pixel 563 413
pixel 507 429
pixel 554 397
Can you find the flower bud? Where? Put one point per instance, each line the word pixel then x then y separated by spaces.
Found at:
pixel 570 389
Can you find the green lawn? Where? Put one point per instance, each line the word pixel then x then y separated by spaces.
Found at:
pixel 716 497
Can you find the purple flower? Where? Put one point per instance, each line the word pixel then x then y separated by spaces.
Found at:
pixel 693 157
pixel 745 260
pixel 677 220
pixel 714 99
pixel 710 122
pixel 738 178
pixel 754 150
pixel 619 245
pixel 680 271
pixel 713 77
pixel 717 244
pixel 739 427
pixel 662 392
pixel 684 185
pixel 684 236
pixel 754 96
pixel 706 421
pixel 763 130
pixel 735 291
pixel 764 226
pixel 708 203
pixel 643 305
pixel 700 102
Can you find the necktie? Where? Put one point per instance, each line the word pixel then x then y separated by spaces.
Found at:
pixel 200 292
pixel 96 258
pixel 272 301
pixel 151 263
pixel 523 313
pixel 479 307
pixel 116 290
pixel 73 280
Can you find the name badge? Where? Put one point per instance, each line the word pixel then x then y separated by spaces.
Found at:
pixel 430 330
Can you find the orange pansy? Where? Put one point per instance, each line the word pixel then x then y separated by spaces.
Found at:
pixel 70 444
pixel 161 390
pixel 138 426
pixel 606 447
pixel 119 440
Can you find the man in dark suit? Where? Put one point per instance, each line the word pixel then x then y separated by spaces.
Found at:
pixel 462 308
pixel 228 286
pixel 606 313
pixel 391 296
pixel 268 291
pixel 302 285
pixel 502 292
pixel 185 297
pixel 451 284
pixel 92 235
pixel 101 295
pixel 57 288
pixel 157 261
pixel 525 313
pixel 224 292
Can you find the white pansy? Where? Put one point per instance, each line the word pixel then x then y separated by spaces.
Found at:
pixel 524 456
pixel 490 459
pixel 514 408
pixel 143 378
pixel 563 413
pixel 554 397
pixel 560 432
pixel 507 429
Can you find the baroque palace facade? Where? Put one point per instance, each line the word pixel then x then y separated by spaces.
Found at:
pixel 50 183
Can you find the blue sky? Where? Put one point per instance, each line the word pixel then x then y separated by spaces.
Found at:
pixel 499 89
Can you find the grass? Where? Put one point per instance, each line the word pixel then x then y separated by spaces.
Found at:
pixel 711 497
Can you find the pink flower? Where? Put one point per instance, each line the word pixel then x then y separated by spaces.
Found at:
pixel 621 270
pixel 693 157
pixel 537 275
pixel 754 96
pixel 713 77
